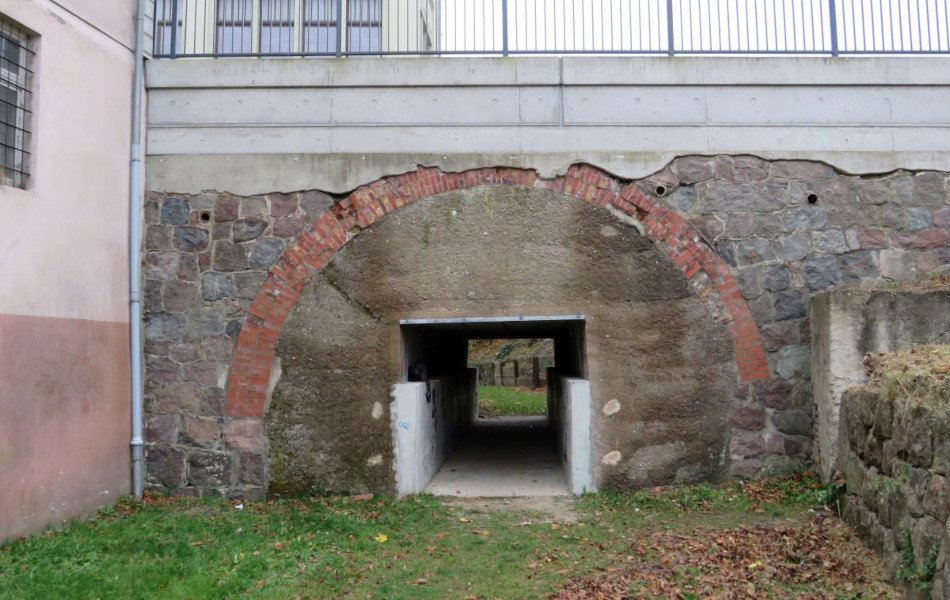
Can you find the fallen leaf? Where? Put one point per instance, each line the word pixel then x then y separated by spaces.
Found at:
pixel 381 538
pixel 464 520
pixel 420 581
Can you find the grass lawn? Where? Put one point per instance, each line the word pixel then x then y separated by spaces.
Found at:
pixel 496 401
pixel 652 544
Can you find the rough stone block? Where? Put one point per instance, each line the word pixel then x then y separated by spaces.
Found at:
pixel 751 418
pixel 164 465
pixel 790 305
pixel 183 352
pixel 830 241
pixel 314 203
pixel 793 422
pixel 202 323
pixel 203 373
pixel 750 168
pixel 759 197
pixel 200 432
pixel 282 205
pixel 898 265
pixel 245 230
pixel 164 327
pixel 229 257
pixel 191 239
pixel 753 250
pixel 805 218
pixel 254 206
pixel 800 169
pixel 226 209
pixel 793 247
pixel 290 226
pixel 175 211
pixel 773 393
pixel 217 348
pixel 244 435
pixel 821 272
pixel 161 265
pixel 265 253
pixel 217 286
pixel 179 296
pixel 209 469
pixel 176 397
pixel 188 267
pixel 252 471
pixel 162 428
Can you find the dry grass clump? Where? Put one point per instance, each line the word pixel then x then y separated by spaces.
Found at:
pixel 921 374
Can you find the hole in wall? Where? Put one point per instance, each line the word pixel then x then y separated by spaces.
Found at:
pixel 812 198
pixel 661 190
pixel 204 217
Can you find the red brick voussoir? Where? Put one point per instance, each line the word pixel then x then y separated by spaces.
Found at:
pixel 254 354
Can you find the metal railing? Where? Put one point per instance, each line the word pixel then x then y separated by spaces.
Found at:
pixel 519 27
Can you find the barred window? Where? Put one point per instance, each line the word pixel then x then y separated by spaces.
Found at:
pixel 15 100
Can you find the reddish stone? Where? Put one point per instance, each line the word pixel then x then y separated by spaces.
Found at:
pixel 202 432
pixel 290 226
pixel 869 237
pixel 226 209
pixel 924 240
pixel 203 373
pixel 749 417
pixel 244 435
pixel 282 205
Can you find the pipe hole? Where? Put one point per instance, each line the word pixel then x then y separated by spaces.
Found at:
pixel 205 217
pixel 660 190
pixel 812 198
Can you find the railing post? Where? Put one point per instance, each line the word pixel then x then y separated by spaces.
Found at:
pixel 833 17
pixel 174 48
pixel 671 44
pixel 340 21
pixel 504 27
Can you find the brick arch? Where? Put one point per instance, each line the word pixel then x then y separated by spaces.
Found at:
pixel 711 278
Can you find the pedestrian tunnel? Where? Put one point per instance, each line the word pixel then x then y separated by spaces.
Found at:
pixel 435 409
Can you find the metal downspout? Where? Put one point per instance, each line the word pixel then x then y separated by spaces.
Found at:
pixel 135 246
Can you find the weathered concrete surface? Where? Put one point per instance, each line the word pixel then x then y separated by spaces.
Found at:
pixel 255 126
pixel 847 324
pixel 651 345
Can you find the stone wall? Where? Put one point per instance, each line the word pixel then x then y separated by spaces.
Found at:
pixel 785 230
pixel 898 498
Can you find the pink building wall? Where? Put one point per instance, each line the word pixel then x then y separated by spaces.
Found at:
pixel 64 341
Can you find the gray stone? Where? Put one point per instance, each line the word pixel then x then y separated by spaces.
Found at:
pixel 821 271
pixel 255 206
pixel 761 197
pixel 184 352
pixel 726 251
pixel 164 327
pixel 175 211
pixel 694 169
pixel 790 305
pixel 776 278
pixel 792 361
pixel 245 230
pixel 830 241
pixel 249 284
pixel 158 237
pixel 930 189
pixel 804 218
pixel 314 203
pixel 229 257
pixel 161 265
pixel 800 169
pixel 753 250
pixel 217 286
pixel 858 266
pixel 898 265
pixel 750 168
pixel 153 295
pixel 252 470
pixel 202 323
pixel 290 226
pixel 187 267
pixel 264 253
pixel 682 198
pixel 209 469
pixel 162 428
pixel 793 247
pixel 918 218
pixel 217 348
pixel 179 295
pixel 210 402
pixel 204 373
pixel 739 225
pixel 164 465
pixel 893 216
pixel 233 328
pixel 174 398
pixel 282 205
pixel 750 282
pixel 221 231
pixel 941 218
pixel 191 239
pixel 710 227
pixel 777 335
pixel 768 225
pixel 226 209
pixel 870 191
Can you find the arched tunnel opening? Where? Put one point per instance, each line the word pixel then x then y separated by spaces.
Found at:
pixel 441 444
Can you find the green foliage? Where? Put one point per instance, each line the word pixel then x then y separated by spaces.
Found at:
pixel 495 401
pixel 922 576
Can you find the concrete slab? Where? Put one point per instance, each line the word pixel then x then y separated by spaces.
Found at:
pixel 505 456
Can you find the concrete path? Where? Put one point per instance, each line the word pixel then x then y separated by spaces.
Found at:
pixel 504 456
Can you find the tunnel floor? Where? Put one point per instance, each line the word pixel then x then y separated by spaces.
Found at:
pixel 504 456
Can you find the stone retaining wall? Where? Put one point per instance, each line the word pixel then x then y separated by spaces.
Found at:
pixel 897 466
pixel 784 229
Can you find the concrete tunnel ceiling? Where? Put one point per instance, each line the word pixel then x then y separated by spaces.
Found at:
pixel 662 369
